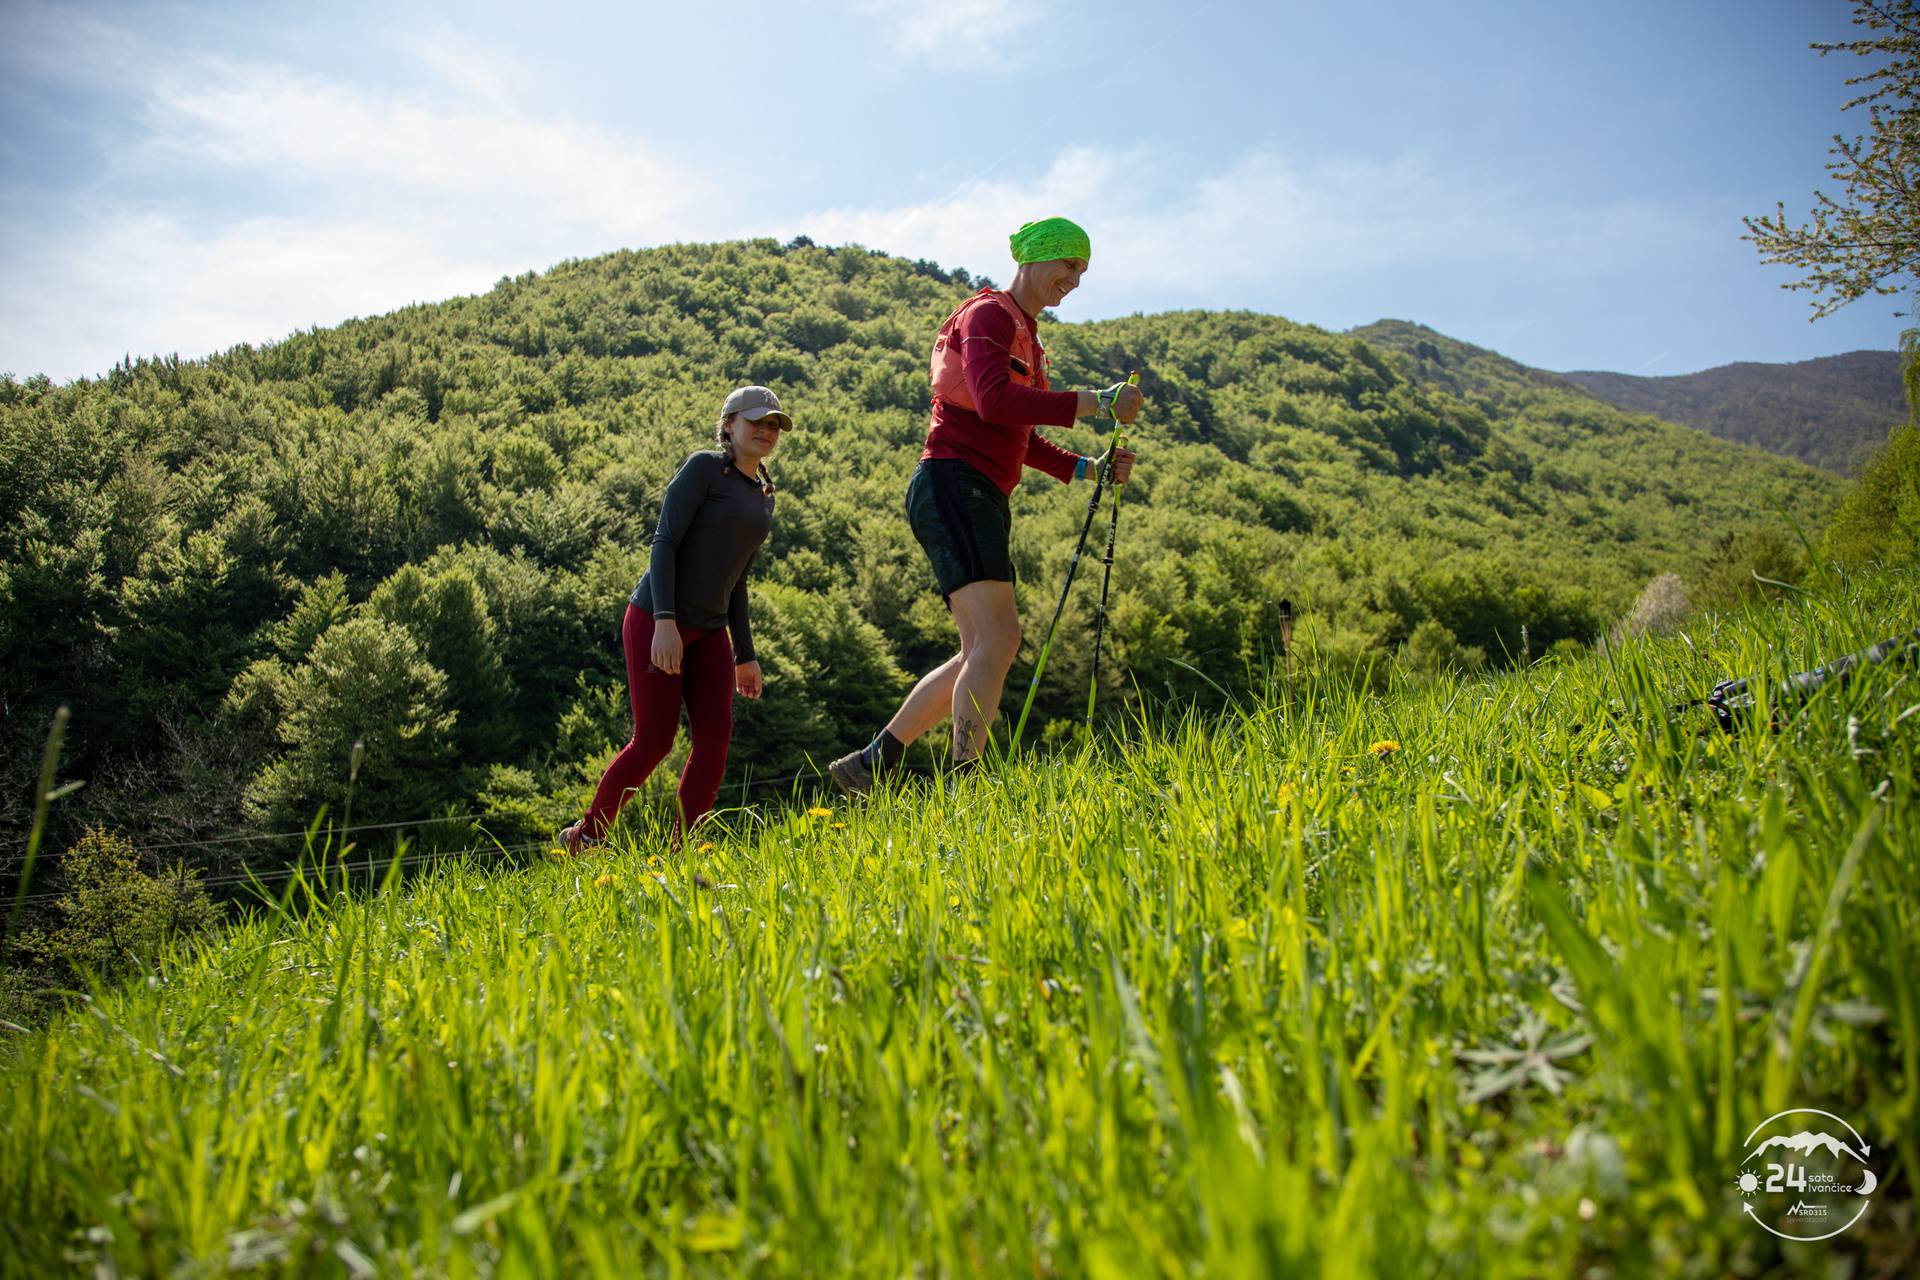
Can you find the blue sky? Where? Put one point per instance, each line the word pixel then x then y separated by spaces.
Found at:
pixel 1562 183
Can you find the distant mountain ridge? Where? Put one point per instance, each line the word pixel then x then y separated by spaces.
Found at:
pixel 1831 412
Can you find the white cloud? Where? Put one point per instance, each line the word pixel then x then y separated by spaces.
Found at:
pixel 151 282
pixel 357 202
pixel 1265 227
pixel 281 127
pixel 957 29
pixel 476 70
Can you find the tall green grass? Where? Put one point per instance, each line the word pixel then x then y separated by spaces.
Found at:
pixel 1243 995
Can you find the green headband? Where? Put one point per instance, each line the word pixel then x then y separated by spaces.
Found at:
pixel 1048 240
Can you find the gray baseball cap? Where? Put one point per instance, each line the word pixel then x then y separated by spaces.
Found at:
pixel 755 403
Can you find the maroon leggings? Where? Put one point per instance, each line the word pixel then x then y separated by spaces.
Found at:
pixel 705 684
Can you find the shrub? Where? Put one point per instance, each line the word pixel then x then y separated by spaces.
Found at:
pixel 1432 649
pixel 114 915
pixel 1737 563
pixel 515 809
pixel 1662 606
pixel 1880 516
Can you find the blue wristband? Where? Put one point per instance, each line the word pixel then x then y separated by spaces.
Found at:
pixel 1080 468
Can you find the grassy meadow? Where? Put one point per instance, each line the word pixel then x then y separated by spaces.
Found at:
pixel 1481 975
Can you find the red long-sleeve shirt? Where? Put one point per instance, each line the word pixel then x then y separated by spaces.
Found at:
pixel 999 439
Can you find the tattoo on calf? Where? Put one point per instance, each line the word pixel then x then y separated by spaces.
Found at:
pixel 964 729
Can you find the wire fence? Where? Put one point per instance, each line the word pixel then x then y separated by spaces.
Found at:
pixel 15 864
pixel 482 849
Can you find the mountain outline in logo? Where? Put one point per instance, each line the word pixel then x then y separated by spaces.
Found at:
pixel 1806 1143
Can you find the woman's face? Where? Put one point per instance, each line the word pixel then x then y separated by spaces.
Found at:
pixel 760 437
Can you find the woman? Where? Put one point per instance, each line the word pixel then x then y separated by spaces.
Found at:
pixel 717 512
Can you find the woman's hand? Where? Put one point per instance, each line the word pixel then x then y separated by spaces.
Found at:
pixel 746 678
pixel 1122 463
pixel 667 648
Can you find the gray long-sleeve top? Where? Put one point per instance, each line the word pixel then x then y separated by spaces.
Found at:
pixel 712 523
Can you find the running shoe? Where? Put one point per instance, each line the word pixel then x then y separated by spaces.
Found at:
pixel 851 774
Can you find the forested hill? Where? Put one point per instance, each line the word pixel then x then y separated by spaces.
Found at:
pixel 417 531
pixel 1832 412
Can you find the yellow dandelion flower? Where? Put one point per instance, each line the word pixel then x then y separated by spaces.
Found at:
pixel 1385 747
pixel 705 848
pixel 838 826
pixel 610 879
pixel 954 900
pixel 818 812
pixel 1240 929
pixel 653 859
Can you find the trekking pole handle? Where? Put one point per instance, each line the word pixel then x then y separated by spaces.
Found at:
pixel 1118 440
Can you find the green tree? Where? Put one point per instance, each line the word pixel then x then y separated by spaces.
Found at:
pixel 322 603
pixel 1866 240
pixel 447 613
pixel 1880 517
pixel 829 680
pixel 365 682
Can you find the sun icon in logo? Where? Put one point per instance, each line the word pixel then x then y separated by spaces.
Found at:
pixel 1749 1183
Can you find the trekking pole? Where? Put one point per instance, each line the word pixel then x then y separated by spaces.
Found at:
pixel 1046 646
pixel 1118 441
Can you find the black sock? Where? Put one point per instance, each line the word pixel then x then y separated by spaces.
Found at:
pixel 885 751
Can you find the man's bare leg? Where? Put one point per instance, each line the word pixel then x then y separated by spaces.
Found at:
pixel 989 623
pixel 930 702
pixel 989 626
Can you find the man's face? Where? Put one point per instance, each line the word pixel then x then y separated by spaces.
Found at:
pixel 1060 278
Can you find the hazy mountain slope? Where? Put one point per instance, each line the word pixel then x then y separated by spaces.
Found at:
pixel 1830 412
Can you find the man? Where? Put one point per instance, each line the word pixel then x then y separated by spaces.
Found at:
pixel 990 391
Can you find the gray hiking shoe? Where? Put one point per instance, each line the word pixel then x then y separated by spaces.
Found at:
pixel 574 840
pixel 851 775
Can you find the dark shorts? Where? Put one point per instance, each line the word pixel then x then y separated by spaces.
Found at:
pixel 963 521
